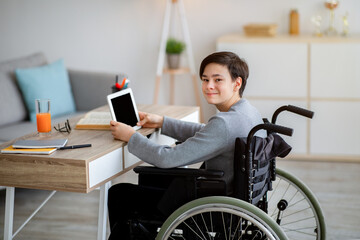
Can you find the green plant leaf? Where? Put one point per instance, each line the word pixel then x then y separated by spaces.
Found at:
pixel 174 46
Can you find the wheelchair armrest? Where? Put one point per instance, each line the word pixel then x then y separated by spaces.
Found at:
pixel 179 172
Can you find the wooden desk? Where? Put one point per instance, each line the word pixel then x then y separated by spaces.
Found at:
pixel 79 170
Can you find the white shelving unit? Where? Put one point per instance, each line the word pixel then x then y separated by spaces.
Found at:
pixel 179 5
pixel 320 74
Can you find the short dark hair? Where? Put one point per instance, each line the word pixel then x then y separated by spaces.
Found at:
pixel 237 67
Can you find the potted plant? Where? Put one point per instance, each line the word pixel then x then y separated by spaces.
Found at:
pixel 174 48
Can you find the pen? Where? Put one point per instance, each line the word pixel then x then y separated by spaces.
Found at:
pixel 74 146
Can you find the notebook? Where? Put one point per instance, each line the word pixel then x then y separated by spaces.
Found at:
pixel 46 143
pixel 10 149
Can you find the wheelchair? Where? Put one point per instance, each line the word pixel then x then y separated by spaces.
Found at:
pixel 272 204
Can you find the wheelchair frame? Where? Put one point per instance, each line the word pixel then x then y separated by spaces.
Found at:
pixel 249 204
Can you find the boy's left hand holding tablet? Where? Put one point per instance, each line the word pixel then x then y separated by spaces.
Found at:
pixel 121 131
pixel 124 132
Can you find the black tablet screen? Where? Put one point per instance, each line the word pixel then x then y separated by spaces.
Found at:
pixel 124 109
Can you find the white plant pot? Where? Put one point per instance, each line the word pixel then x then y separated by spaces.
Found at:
pixel 173 60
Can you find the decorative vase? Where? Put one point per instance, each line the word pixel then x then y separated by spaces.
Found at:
pixel 173 60
pixel 331 5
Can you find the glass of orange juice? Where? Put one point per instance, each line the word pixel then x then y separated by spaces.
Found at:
pixel 43 116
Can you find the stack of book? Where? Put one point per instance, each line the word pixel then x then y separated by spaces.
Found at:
pixel 35 146
pixel 95 120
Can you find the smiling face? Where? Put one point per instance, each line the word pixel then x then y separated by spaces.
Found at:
pixel 219 88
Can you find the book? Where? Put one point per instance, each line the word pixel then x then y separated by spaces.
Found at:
pixel 45 143
pixel 11 149
pixel 95 120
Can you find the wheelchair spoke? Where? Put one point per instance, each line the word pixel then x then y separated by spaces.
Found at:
pixel 242 233
pixel 207 230
pixel 198 227
pixel 274 190
pixel 237 227
pixel 230 226
pixel 212 226
pixel 293 196
pixel 302 210
pixel 287 189
pixel 297 221
pixel 222 215
pixel 255 235
pixel 296 202
pixel 301 232
pixel 303 228
pixel 193 230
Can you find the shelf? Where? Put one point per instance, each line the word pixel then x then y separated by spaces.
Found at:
pixel 241 38
pixel 320 99
pixel 177 71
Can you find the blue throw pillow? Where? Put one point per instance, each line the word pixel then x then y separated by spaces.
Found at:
pixel 49 82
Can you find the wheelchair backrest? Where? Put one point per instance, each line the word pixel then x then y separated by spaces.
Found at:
pixel 254 166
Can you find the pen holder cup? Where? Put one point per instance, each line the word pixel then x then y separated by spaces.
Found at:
pixel 120 86
pixel 114 89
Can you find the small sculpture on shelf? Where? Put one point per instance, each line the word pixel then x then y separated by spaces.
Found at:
pixel 331 5
pixel 174 48
pixel 345 32
pixel 316 20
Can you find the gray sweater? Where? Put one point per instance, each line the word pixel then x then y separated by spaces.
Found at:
pixel 213 143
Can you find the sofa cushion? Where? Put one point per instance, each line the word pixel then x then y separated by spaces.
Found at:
pixel 12 107
pixel 50 82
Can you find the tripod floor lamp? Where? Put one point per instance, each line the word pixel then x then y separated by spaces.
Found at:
pixel 172 72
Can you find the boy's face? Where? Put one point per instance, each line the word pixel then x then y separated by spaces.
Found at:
pixel 218 87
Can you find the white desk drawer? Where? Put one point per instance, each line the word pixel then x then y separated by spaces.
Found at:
pixel 105 167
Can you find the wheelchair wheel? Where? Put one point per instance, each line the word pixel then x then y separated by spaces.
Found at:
pixel 219 218
pixel 295 208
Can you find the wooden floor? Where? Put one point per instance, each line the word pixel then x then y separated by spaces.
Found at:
pixel 74 216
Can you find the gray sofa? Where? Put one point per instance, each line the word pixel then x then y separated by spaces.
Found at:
pixel 89 91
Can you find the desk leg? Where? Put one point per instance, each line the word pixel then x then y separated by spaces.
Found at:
pixel 102 221
pixel 9 213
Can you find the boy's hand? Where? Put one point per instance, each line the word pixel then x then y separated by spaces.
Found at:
pixel 121 131
pixel 150 120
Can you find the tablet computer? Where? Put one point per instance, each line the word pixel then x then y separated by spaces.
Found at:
pixel 123 108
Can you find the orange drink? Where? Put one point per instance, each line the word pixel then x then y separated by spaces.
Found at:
pixel 43 122
pixel 43 116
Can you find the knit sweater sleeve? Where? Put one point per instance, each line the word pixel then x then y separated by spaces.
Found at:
pixel 180 130
pixel 209 141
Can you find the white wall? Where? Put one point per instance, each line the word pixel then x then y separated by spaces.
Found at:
pixel 124 35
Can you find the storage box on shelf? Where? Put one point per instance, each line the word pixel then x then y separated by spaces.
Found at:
pixel 260 30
